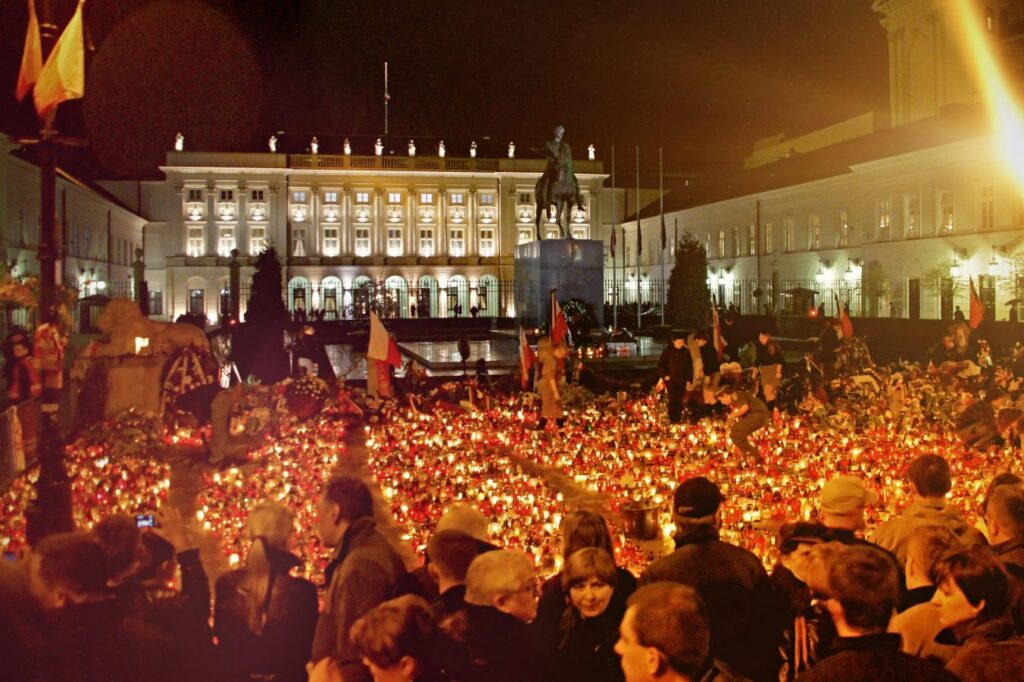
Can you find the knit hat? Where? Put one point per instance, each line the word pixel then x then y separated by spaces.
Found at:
pixel 844 495
pixel 697 497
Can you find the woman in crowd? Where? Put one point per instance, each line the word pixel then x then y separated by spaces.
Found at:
pixel 580 529
pixel 264 618
pixel 590 620
pixel 399 642
pixel 973 599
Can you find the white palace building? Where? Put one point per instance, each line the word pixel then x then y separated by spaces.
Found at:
pixel 429 230
pixel 894 214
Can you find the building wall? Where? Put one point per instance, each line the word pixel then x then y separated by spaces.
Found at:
pixel 967 179
pixel 402 222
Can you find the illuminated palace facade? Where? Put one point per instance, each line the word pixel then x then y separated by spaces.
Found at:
pixel 894 214
pixel 351 231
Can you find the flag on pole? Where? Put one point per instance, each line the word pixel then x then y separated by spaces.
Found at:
pixel 716 327
pixel 612 242
pixel 31 56
pixel 526 358
pixel 394 354
pixel 559 325
pixel 845 323
pixel 664 236
pixel 63 75
pixel 977 307
pixel 379 344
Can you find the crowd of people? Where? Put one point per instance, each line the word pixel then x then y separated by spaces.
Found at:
pixel 927 596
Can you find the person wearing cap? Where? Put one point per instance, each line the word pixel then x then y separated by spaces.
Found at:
pixel 675 370
pixel 731 581
pixel 748 416
pixel 843 501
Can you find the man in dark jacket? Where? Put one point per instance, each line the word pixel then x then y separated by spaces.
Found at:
pixel 450 553
pixel 364 571
pixel 675 369
pixel 864 587
pixel 89 639
pixel 730 580
pixel 1004 518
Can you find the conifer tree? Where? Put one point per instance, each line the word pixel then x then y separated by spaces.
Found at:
pixel 689 298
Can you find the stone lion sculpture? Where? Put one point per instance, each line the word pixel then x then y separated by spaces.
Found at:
pixel 122 322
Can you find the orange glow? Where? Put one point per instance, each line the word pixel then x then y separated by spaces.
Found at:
pixel 1003 109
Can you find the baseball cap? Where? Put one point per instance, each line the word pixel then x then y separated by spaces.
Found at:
pixel 844 495
pixel 697 497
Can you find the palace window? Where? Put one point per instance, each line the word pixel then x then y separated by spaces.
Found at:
pixel 196 245
pixel 427 242
pixel 426 197
pixel 884 219
pixel 330 197
pixel 844 229
pixel 156 303
pixel 456 198
pixel 362 197
pixel 195 195
pixel 987 208
pixel 524 236
pixel 197 302
pixel 227 195
pixel 947 212
pixel 394 241
pixel 721 244
pixel 769 239
pixel 298 241
pixel 789 235
pixel 362 241
pixel 257 195
pixel 486 241
pixel 814 233
pixel 300 197
pixel 257 240
pixel 751 240
pixel 525 198
pixel 332 244
pixel 457 246
pixel 394 197
pixel 912 215
pixel 226 242
pixel 736 246
pixel 486 199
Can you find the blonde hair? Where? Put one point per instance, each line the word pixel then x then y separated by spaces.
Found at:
pixel 497 574
pixel 270 526
pixel 464 517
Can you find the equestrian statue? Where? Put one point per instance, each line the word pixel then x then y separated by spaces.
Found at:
pixel 558 186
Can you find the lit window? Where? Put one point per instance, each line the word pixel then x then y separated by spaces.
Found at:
pixel 332 244
pixel 362 197
pixel 769 239
pixel 987 208
pixel 196 242
pixel 394 241
pixel 844 229
pixel 226 242
pixel 197 302
pixel 486 199
pixel 947 212
pixel 458 242
pixel 426 198
pixel 884 219
pixel 156 303
pixel 525 236
pixel 299 197
pixel 789 235
pixel 456 198
pixel 257 240
pixel 721 244
pixel 227 195
pixel 195 195
pixel 814 233
pixel 362 241
pixel 427 243
pixel 751 240
pixel 912 215
pixel 394 197
pixel 298 242
pixel 736 242
pixel 487 241
pixel 330 197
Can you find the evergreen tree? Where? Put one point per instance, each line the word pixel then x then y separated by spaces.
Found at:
pixel 259 348
pixel 266 305
pixel 689 299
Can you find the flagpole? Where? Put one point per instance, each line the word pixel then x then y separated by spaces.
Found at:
pixel 661 209
pixel 50 512
pixel 639 241
pixel 615 217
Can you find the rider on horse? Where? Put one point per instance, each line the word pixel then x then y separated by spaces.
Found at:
pixel 558 180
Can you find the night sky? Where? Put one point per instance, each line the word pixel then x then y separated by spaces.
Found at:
pixel 701 78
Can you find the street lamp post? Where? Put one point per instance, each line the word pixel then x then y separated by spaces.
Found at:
pixel 50 512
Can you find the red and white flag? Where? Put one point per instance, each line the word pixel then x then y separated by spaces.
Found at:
pixel 559 325
pixel 845 323
pixel 31 56
pixel 526 359
pixel 63 75
pixel 716 328
pixel 379 344
pixel 977 307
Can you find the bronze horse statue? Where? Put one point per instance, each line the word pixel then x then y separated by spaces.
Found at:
pixel 558 186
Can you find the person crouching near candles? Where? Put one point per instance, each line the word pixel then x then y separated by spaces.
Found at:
pixel 748 416
pixel 585 647
pixel 548 357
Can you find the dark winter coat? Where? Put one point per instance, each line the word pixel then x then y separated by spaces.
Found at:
pixel 285 646
pixel 551 606
pixel 586 646
pixel 874 658
pixel 989 650
pixel 676 364
pixel 496 647
pixel 735 587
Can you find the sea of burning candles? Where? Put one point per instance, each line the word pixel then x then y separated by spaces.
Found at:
pixel 613 453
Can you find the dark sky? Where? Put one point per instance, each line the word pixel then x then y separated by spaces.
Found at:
pixel 701 78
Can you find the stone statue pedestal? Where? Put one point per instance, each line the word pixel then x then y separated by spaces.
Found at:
pixel 573 266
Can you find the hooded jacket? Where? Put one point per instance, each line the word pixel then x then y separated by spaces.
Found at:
pixel 894 534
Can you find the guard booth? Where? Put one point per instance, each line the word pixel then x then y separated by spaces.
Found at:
pixel 799 300
pixel 89 309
